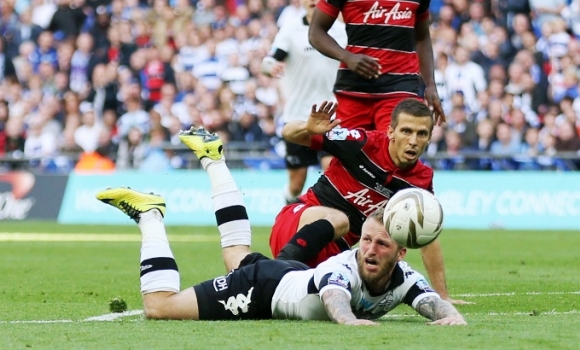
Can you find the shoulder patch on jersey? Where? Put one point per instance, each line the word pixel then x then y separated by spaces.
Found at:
pixel 339 279
pixel 423 285
pixel 341 134
pixel 337 134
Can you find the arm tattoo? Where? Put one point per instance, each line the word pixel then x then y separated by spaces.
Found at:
pixel 337 305
pixel 435 308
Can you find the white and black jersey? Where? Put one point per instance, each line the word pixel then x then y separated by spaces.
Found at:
pixel 283 289
pixel 309 76
pixel 298 295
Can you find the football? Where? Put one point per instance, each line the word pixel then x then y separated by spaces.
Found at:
pixel 413 217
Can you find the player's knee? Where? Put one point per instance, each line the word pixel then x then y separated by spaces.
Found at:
pixel 154 309
pixel 152 313
pixel 339 221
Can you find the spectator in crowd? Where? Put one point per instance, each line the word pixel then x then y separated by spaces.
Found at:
pixel 485 136
pixel 546 10
pixel 13 138
pixel 38 144
pixel 97 160
pixel 571 13
pixel 532 145
pixel 135 115
pixel 567 139
pixel 45 52
pixel 133 149
pixel 68 18
pixel 27 31
pixel 87 134
pixel 466 130
pixel 7 69
pixel 466 77
pixel 505 144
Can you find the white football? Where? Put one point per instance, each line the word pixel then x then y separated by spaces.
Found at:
pixel 413 217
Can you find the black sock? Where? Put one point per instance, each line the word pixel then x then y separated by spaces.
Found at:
pixel 308 241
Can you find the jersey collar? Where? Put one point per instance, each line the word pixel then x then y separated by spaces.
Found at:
pixel 304 21
pixel 397 278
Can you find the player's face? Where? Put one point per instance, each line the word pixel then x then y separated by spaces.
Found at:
pixel 377 255
pixel 409 139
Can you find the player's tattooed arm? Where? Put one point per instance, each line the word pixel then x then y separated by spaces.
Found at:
pixel 337 305
pixel 440 311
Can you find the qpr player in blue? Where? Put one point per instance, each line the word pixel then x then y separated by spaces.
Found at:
pixel 352 288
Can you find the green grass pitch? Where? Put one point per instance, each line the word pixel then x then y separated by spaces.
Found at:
pixel 525 284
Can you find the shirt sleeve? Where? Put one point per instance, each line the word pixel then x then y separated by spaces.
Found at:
pixel 423 10
pixel 333 276
pixel 331 7
pixel 282 41
pixel 419 290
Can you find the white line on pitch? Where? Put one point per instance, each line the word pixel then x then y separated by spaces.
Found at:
pixel 97 237
pixel 114 316
pixel 510 294
pixel 516 313
pixel 101 318
pixel 37 321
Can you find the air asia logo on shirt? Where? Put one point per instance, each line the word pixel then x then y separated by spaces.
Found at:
pixel 13 205
pixel 364 200
pixel 377 12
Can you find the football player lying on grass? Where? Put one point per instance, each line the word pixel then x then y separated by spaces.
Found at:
pixel 351 288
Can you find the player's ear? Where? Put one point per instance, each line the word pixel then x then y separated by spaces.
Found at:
pixel 401 254
pixel 390 132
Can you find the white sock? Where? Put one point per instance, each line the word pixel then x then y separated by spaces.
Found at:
pixel 159 271
pixel 231 214
pixel 288 196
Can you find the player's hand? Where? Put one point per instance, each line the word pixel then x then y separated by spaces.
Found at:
pixel 277 69
pixel 459 302
pixel 359 322
pixel 434 103
pixel 449 321
pixel 319 122
pixel 366 66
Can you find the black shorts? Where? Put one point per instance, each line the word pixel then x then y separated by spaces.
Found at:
pixel 246 292
pixel 298 156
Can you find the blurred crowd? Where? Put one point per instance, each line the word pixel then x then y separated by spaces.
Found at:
pixel 115 81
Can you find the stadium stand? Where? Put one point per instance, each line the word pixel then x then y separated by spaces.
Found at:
pixel 103 81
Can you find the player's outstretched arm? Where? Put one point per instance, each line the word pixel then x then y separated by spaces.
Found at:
pixel 440 311
pixel 337 305
pixel 318 123
pixel 434 264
